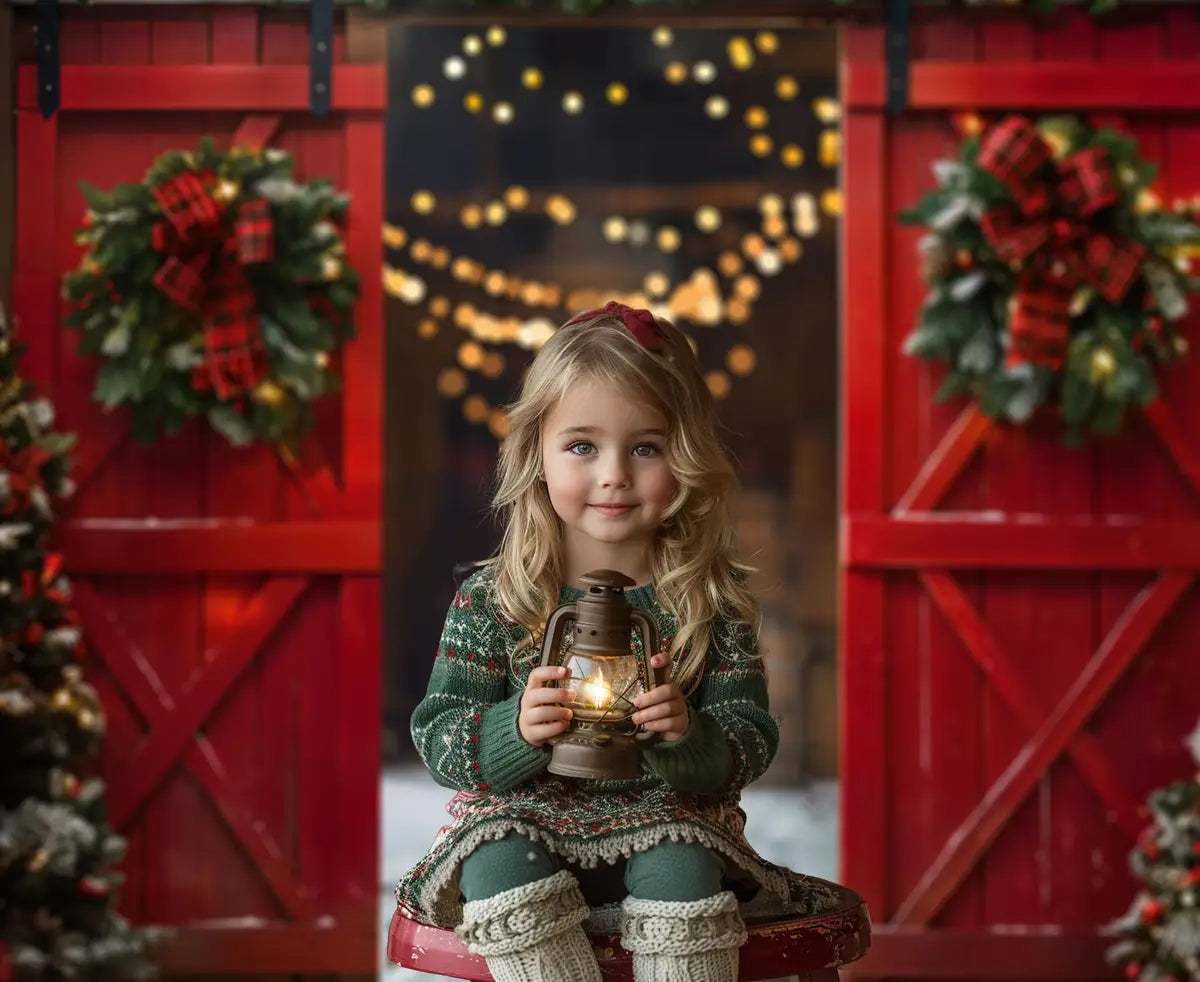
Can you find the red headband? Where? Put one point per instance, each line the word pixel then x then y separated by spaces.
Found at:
pixel 639 323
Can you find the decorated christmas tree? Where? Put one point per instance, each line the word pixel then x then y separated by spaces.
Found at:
pixel 1160 935
pixel 57 881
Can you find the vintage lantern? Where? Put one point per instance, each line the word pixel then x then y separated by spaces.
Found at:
pixel 605 676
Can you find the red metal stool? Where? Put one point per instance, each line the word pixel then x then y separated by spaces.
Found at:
pixel 808 948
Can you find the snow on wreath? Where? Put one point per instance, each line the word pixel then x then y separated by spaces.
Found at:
pixel 215 287
pixel 1054 274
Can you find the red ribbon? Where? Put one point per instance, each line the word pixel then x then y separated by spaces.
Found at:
pixel 24 470
pixel 203 273
pixel 1047 230
pixel 640 323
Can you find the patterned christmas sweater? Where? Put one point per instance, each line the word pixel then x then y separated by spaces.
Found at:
pixel 465 730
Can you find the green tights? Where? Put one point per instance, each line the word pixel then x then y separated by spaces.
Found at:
pixel 677 871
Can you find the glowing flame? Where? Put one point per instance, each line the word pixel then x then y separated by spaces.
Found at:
pixel 594 693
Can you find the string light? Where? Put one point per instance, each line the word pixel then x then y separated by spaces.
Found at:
pixel 668 238
pixel 471 216
pixel 496 35
pixel 767 42
pixel 829 151
pixel 503 113
pixel 662 37
pixel 827 110
pixel 717 106
pixel 704 72
pixel 423 202
pixel 428 328
pixel 761 145
pixel 675 72
pixel 473 102
pixel 572 103
pixel 494 213
pixel 741 359
pixel 616 93
pixel 471 45
pixel 451 382
pixel 741 54
pixel 423 96
pixel 708 218
pixel 531 78
pixel 614 229
pixel 454 68
pixel 516 197
pixel 791 155
pixel 756 118
pixel 831 202
pixel 786 88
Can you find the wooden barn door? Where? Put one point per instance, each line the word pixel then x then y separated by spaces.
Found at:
pixel 1020 623
pixel 231 605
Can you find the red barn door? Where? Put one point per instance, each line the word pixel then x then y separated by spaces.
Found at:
pixel 1020 627
pixel 231 605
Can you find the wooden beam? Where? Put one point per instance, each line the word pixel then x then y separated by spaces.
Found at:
pixel 1175 438
pixel 179 88
pixel 1042 85
pixel 970 540
pixel 193 548
pixel 1023 700
pixel 8 155
pixel 946 463
pixel 966 845
pixel 957 954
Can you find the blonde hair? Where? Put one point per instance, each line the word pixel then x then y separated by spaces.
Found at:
pixel 696 573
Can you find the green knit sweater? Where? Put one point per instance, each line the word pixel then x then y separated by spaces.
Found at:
pixel 465 730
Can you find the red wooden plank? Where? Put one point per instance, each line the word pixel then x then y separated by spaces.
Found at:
pixel 1143 38
pixel 1048 85
pixel 1182 31
pixel 946 463
pixel 326 947
pixel 246 824
pixel 1167 427
pixel 35 278
pixel 256 130
pixel 125 42
pixel 863 243
pixel 980 541
pixel 863 812
pixel 112 88
pixel 967 845
pixel 147 546
pixel 140 684
pixel 1010 38
pixel 1070 34
pixel 943 35
pixel 981 644
pixel 94 454
pixel 163 745
pixel 234 35
pixel 362 401
pixel 179 37
pixel 922 954
pixel 356 742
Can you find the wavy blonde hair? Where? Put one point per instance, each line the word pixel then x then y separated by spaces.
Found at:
pixel 697 575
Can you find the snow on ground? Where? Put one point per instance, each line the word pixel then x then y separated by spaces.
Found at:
pixel 795 827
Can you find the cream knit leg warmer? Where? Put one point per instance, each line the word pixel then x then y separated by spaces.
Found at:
pixel 683 941
pixel 532 933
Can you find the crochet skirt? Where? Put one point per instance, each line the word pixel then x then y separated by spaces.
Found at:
pixel 586 828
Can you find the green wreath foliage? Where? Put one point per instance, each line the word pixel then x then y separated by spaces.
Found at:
pixel 275 245
pixel 1083 320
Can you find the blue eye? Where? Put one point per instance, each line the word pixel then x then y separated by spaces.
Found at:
pixel 581 448
pixel 645 450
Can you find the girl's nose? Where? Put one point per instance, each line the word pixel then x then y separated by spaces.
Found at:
pixel 614 472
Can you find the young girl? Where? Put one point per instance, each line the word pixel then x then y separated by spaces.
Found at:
pixel 612 462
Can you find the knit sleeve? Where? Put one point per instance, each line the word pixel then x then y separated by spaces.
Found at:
pixel 465 728
pixel 732 738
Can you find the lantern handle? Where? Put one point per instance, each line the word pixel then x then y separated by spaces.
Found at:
pixel 552 641
pixel 648 629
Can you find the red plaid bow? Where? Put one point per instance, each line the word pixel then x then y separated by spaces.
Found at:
pixel 203 273
pixel 640 323
pixel 1048 231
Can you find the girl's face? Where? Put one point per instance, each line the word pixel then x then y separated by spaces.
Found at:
pixel 605 466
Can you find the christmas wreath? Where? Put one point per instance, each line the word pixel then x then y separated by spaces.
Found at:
pixel 1054 274
pixel 214 287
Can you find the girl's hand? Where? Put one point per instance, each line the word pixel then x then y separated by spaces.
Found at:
pixel 540 717
pixel 663 709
